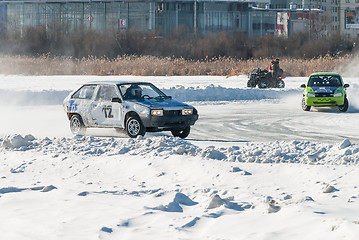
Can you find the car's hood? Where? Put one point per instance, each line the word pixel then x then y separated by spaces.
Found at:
pixel 160 103
pixel 326 89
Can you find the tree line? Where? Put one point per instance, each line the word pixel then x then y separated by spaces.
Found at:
pixel 35 41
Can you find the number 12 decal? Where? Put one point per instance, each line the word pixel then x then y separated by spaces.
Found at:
pixel 108 111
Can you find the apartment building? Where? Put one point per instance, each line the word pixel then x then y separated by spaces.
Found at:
pixel 349 18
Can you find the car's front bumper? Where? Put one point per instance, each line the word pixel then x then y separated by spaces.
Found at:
pixel 169 121
pixel 324 101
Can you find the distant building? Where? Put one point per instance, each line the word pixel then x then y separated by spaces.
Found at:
pixel 293 20
pixel 349 18
pixel 164 16
pixel 254 19
pixel 339 16
pixel 2 15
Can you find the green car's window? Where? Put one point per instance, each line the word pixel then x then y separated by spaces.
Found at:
pixel 324 81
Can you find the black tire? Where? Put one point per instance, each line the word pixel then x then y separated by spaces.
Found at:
pixel 262 83
pixel 77 126
pixel 280 83
pixel 134 127
pixel 304 106
pixel 344 108
pixel 182 133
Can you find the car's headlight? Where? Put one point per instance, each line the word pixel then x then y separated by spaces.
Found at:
pixel 157 112
pixel 187 111
pixel 338 94
pixel 310 95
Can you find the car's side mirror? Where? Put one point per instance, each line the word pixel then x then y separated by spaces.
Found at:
pixel 346 85
pixel 302 86
pixel 118 100
pixel 169 97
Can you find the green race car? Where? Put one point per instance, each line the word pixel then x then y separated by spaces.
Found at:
pixel 325 89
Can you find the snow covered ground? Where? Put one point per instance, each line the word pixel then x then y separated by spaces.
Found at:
pixel 255 166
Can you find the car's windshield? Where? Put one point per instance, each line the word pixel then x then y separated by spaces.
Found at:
pixel 140 91
pixel 324 80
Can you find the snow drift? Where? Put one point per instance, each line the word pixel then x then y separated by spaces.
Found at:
pixel 304 152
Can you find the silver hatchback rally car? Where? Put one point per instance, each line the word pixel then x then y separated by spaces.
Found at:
pixel 136 107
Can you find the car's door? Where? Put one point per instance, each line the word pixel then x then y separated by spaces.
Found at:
pixel 104 112
pixel 80 102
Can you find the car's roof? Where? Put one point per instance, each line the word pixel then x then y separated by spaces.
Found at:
pixel 325 74
pixel 115 82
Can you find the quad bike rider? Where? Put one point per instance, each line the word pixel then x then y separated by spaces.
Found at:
pixel 267 79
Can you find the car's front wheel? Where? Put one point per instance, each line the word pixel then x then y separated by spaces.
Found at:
pixel 304 106
pixel 134 127
pixel 344 107
pixel 77 126
pixel 182 133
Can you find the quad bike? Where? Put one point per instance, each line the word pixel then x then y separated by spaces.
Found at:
pixel 264 79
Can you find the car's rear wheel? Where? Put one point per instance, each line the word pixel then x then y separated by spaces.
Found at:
pixel 77 126
pixel 182 133
pixel 344 107
pixel 134 127
pixel 304 106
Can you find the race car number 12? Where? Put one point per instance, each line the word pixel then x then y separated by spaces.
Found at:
pixel 108 111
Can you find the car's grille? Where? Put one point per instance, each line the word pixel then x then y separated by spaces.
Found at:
pixel 325 102
pixel 172 113
pixel 323 95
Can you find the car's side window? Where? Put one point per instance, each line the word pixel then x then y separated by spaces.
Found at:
pixel 85 92
pixel 106 93
pixel 335 81
pixel 125 89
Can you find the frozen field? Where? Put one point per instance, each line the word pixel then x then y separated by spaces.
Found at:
pixel 255 166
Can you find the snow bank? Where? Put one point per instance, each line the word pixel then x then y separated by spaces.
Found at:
pixel 179 93
pixel 218 93
pixel 17 141
pixel 275 152
pixel 30 98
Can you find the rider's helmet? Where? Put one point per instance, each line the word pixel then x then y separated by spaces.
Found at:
pixel 136 91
